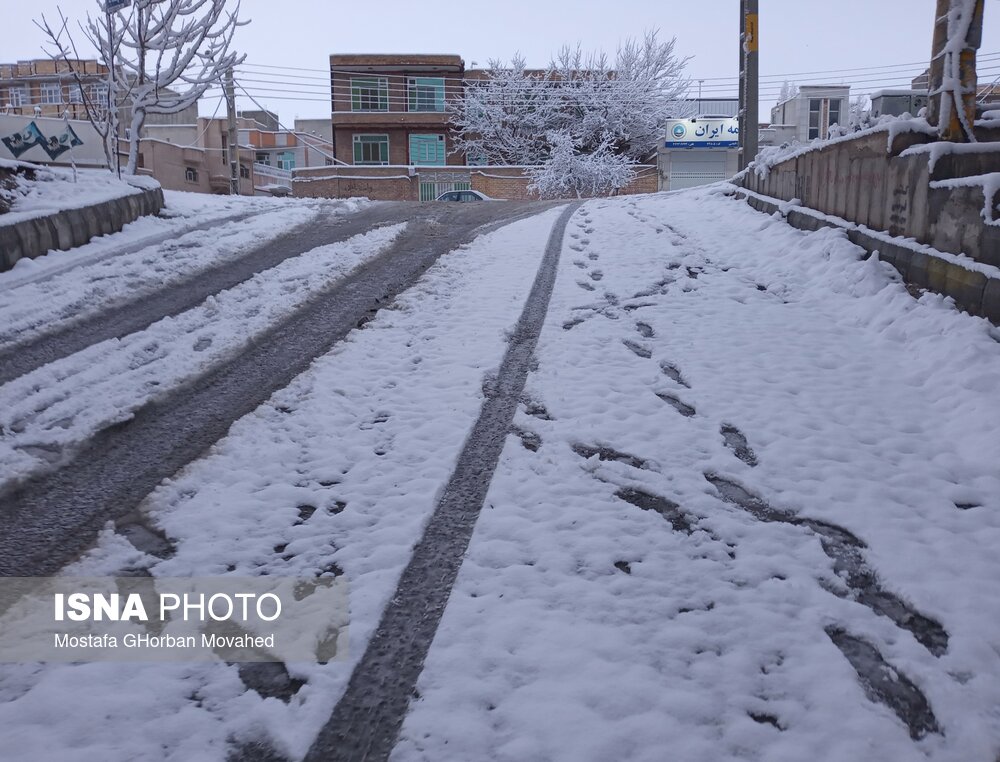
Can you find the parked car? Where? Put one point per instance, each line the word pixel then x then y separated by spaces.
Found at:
pixel 464 195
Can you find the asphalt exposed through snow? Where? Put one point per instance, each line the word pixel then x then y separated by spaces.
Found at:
pixel 136 315
pixel 49 520
pixel 366 721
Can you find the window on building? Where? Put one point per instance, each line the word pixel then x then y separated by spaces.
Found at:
pixel 17 96
pixel 191 174
pixel 427 149
pixel 834 112
pixel 815 109
pixel 75 93
pixel 369 94
pixel 51 93
pixel 286 160
pixel 371 149
pixel 425 94
pixel 262 157
pixel 244 171
pixel 823 114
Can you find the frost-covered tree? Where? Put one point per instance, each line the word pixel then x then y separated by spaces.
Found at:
pixel 569 172
pixel 860 115
pixel 584 113
pixel 167 53
pixel 788 90
pixel 100 103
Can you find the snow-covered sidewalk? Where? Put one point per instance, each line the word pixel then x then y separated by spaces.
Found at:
pixel 613 606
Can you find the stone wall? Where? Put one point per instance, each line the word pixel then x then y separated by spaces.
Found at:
pixel 900 189
pixel 886 196
pixel 73 227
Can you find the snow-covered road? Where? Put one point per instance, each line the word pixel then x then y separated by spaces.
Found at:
pixel 748 508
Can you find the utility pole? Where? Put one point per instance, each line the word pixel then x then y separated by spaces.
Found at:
pixel 233 140
pixel 749 69
pixel 954 116
pixel 111 7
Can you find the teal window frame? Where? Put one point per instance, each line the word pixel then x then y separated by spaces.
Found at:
pixel 425 94
pixel 369 94
pixel 286 160
pixel 364 147
pixel 427 150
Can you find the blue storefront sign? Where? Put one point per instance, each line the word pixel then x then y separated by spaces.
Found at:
pixel 703 133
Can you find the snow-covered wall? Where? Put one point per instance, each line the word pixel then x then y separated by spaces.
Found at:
pixel 34 232
pixel 944 195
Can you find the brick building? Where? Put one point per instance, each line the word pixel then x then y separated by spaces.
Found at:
pixel 46 87
pixel 391 109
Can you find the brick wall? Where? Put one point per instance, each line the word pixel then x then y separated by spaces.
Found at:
pixel 395 183
pixel 512 184
pixel 376 183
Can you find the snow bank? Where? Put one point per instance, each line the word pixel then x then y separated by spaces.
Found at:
pixel 55 189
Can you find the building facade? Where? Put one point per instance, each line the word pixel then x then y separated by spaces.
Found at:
pixel 392 109
pixel 813 111
pixel 48 88
pixel 700 149
pixel 194 157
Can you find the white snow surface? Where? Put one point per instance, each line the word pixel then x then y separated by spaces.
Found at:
pixel 55 190
pixel 865 408
pixel 44 414
pixel 368 436
pixel 65 287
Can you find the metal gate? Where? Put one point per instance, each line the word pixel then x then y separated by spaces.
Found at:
pixel 694 166
pixel 433 184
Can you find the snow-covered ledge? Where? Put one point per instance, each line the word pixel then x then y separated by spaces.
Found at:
pixel 973 285
pixel 49 208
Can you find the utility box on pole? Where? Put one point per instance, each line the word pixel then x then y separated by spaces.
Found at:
pixel 233 143
pixel 749 70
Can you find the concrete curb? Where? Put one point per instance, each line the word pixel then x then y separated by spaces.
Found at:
pixel 974 292
pixel 74 227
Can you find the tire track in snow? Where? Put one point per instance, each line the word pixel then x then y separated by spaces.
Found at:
pixel 48 520
pixel 130 317
pixel 366 721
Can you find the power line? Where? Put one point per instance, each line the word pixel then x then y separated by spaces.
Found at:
pixel 353 72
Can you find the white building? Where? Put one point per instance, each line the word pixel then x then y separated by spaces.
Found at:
pixel 813 110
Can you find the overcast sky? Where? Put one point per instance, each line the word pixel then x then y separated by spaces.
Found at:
pixel 797 37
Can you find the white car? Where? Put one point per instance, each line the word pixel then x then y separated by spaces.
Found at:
pixel 464 195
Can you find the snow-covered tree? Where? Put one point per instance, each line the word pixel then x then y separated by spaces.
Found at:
pixel 166 53
pixel 584 113
pixel 860 115
pixel 100 103
pixel 788 90
pixel 569 172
